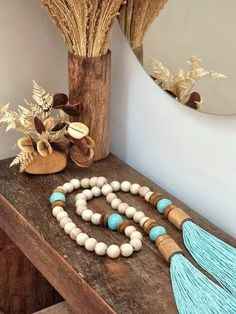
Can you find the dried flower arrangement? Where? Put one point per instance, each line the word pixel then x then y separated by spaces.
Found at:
pixel 181 84
pixel 85 25
pixel 86 28
pixel 136 16
pixel 46 135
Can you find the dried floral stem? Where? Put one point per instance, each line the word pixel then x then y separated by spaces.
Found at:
pixel 135 18
pixel 85 24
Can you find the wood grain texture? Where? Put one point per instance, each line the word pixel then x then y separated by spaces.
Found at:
pixel 139 284
pixel 89 86
pixel 23 289
pixel 60 308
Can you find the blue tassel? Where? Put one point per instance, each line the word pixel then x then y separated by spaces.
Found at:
pixel 212 254
pixel 195 293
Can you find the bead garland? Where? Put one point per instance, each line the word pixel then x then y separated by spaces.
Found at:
pixel 97 186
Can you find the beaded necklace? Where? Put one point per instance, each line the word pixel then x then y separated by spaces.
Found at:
pixel 193 291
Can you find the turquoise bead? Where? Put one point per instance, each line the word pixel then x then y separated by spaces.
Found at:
pixel 155 232
pixel 162 204
pixel 57 196
pixel 114 221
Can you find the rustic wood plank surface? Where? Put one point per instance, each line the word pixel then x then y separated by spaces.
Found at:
pixel 60 308
pixel 90 284
pixel 23 290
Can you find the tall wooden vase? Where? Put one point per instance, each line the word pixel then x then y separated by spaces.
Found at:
pixel 89 86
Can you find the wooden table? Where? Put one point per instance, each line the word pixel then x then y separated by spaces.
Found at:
pixel 89 284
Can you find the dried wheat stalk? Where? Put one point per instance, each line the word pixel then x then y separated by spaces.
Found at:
pixel 135 18
pixel 85 24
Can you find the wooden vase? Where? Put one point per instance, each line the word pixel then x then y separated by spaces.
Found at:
pixel 53 163
pixel 89 86
pixel 139 53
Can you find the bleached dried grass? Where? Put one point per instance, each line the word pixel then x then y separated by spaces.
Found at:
pixel 85 24
pixel 136 16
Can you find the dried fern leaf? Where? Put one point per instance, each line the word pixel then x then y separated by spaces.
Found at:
pixel 43 100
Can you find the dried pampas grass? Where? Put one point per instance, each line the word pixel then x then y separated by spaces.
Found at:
pixel 135 18
pixel 84 24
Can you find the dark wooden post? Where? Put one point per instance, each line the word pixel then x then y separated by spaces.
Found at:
pixel 89 85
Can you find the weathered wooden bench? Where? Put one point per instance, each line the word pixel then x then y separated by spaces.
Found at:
pixel 35 251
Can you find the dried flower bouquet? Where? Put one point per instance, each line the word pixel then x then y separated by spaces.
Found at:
pixel 180 85
pixel 45 141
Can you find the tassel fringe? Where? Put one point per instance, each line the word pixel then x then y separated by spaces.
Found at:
pixel 195 293
pixel 212 254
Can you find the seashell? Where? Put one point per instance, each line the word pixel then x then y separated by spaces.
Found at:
pixel 78 130
pixel 26 145
pixel 44 148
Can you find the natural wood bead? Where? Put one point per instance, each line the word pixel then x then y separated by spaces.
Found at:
pixel 101 181
pixel 122 208
pixel 130 211
pixel 115 203
pixel 68 227
pixel 56 210
pixel 134 189
pixel 124 224
pixel 115 186
pixel 96 218
pixel 155 198
pixel 143 191
pixel 106 189
pixel 125 186
pixel 60 190
pixel 113 251
pixel 58 203
pixel 143 220
pixel 110 197
pixel 136 244
pixel 154 224
pixel 68 187
pixel 105 223
pixel 126 249
pixel 90 244
pixel 75 183
pixel 177 217
pixel 168 209
pixel 100 248
pixel 128 230
pixel 85 183
pixel 167 247
pixel 93 181
pixel 147 224
pixel 64 221
pixel 104 219
pixel 87 214
pixel 96 191
pixel 148 195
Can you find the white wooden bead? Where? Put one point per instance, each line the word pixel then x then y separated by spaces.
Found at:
pixel 74 232
pixel 130 211
pixel 75 183
pixel 80 209
pixel 68 187
pixel 80 202
pixel 125 186
pixel 56 210
pixel 148 195
pixel 113 251
pixel 142 221
pixel 110 197
pixel 106 189
pixel 90 244
pixel 115 185
pixel 122 208
pixel 93 181
pixel 126 249
pixel 129 230
pixel 64 221
pixel 87 214
pixel 138 216
pixel 85 183
pixel 143 191
pixel 68 227
pixel 101 181
pixel 61 214
pixel 95 219
pixel 115 203
pixel 134 189
pixel 80 196
pixel 100 248
pixel 136 235
pixel 96 191
pixel 88 194
pixel 81 238
pixel 136 244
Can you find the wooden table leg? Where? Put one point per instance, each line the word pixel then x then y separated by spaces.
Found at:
pixel 23 289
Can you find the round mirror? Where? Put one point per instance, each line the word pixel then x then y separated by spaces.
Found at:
pixel 188 48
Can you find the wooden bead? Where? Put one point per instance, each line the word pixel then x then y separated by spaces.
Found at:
pixel 60 190
pixel 125 186
pixel 115 185
pixel 136 244
pixel 138 216
pixel 177 217
pixel 74 232
pixel 87 214
pixel 106 189
pixel 101 181
pixel 153 224
pixel 124 224
pixel 81 238
pixel 100 248
pixel 115 203
pixel 143 191
pixel 69 226
pixel 80 209
pixel 130 211
pixel 95 219
pixel 128 230
pixel 136 235
pixel 68 187
pixel 56 210
pixel 155 198
pixel 113 251
pixel 147 223
pixel 110 197
pixel 88 194
pixel 134 189
pixel 167 247
pixel 122 208
pixel 61 215
pixel 64 221
pixel 85 183
pixel 148 196
pixel 143 220
pixel 75 183
pixel 168 209
pixel 96 191
pixel 90 244
pixel 80 196
pixel 93 181
pixel 126 249
pixel 80 202
pixel 58 203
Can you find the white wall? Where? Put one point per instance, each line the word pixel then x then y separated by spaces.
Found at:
pixel 30 48
pixel 204 28
pixel 190 154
